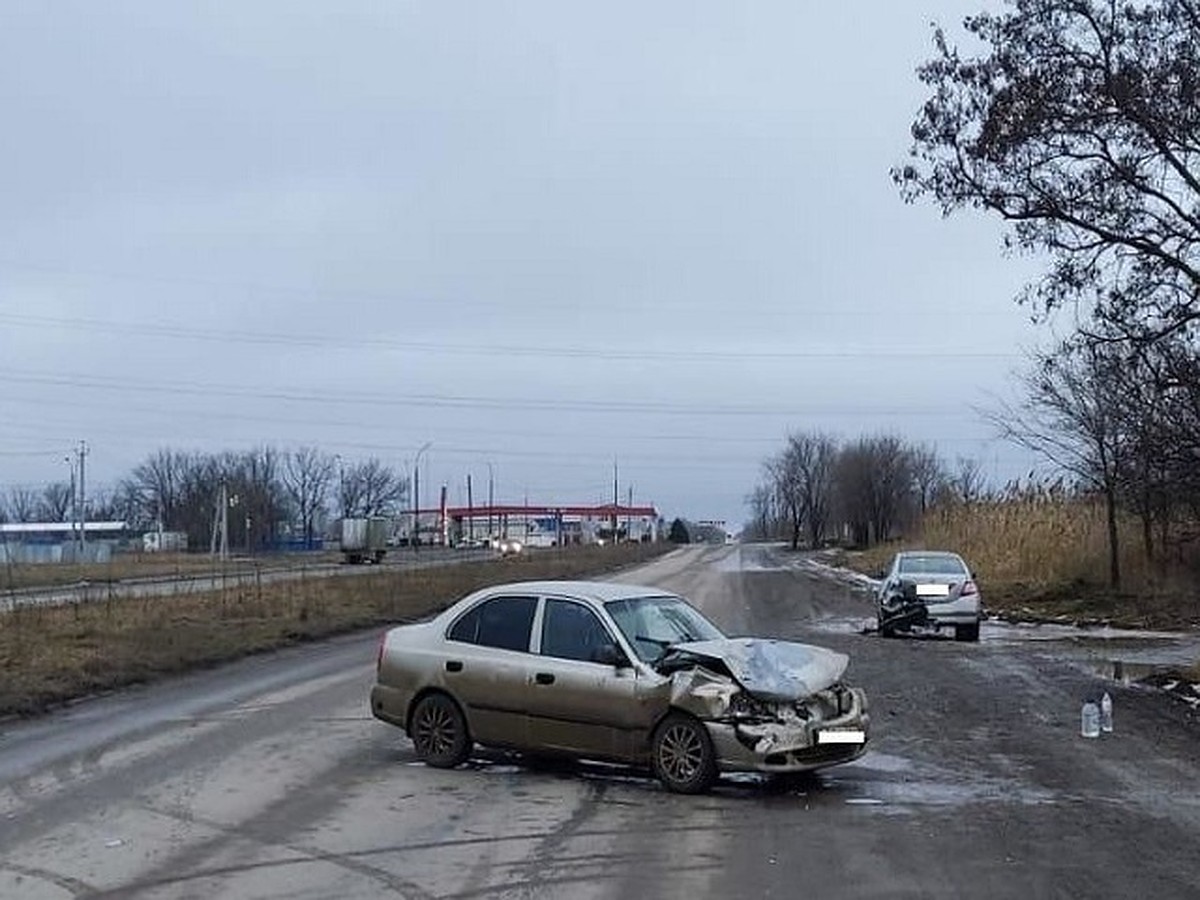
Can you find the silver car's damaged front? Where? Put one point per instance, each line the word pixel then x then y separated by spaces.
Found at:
pixel 769 706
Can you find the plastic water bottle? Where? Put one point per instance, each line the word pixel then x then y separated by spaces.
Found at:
pixel 1090 720
pixel 1106 713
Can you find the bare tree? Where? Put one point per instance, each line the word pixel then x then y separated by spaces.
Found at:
pixel 370 488
pixel 784 476
pixel 929 475
pixel 762 511
pixel 255 479
pixel 182 490
pixel 106 506
pixel 158 483
pixel 968 481
pixel 22 504
pixel 1071 417
pixel 307 475
pixel 875 486
pixel 1078 126
pixel 814 456
pixel 58 497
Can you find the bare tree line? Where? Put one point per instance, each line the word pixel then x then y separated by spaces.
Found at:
pixel 271 493
pixel 1125 423
pixel 862 492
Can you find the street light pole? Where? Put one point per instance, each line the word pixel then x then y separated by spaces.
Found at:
pixel 70 461
pixel 415 538
pixel 491 496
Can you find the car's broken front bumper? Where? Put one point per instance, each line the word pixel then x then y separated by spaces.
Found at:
pixel 795 745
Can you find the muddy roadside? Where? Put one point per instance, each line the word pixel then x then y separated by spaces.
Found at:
pixel 1152 641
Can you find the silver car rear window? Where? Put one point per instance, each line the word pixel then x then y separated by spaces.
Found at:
pixel 932 564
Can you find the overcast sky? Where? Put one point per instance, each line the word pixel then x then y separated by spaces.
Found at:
pixel 541 235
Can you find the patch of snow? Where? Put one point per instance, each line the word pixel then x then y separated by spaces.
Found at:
pixel 839 573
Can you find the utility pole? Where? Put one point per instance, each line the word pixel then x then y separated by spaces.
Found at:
pixel 491 497
pixel 70 461
pixel 470 513
pixel 83 452
pixel 629 516
pixel 415 538
pixel 220 530
pixel 616 501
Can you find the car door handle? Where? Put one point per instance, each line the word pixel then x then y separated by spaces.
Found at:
pixel 544 678
pixel 453 665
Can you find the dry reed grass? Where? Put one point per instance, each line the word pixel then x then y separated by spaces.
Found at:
pixel 49 654
pixel 1047 556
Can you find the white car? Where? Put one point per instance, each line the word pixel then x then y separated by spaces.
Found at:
pixel 926 590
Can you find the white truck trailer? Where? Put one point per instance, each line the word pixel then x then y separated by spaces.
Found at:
pixel 365 539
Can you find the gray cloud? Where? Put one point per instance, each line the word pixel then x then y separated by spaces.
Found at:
pixel 373 225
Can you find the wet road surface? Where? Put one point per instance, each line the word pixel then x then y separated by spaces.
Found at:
pixel 268 778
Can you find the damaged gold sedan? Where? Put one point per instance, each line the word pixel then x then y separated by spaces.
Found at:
pixel 618 673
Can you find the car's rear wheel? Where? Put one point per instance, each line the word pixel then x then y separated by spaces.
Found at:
pixel 966 632
pixel 439 732
pixel 683 755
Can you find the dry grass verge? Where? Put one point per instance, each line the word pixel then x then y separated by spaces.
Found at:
pixel 52 654
pixel 126 566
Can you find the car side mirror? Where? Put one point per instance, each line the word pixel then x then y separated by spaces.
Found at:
pixel 610 655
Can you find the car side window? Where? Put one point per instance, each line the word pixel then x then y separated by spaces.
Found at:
pixel 572 631
pixel 503 622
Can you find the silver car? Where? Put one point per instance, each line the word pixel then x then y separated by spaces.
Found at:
pixel 927 591
pixel 614 672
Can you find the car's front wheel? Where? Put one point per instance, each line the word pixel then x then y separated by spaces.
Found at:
pixel 683 755
pixel 439 732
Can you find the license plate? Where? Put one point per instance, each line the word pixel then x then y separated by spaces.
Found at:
pixel 933 590
pixel 842 736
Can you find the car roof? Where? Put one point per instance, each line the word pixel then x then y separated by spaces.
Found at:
pixel 926 554
pixel 595 591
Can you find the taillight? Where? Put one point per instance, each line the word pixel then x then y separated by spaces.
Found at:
pixel 968 589
pixel 379 652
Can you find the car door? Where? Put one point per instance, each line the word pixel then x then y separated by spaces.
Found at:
pixel 487 667
pixel 577 704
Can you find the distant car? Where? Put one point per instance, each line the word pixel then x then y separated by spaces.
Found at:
pixel 929 590
pixel 509 546
pixel 614 672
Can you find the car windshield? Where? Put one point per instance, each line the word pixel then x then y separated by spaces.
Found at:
pixel 932 564
pixel 651 624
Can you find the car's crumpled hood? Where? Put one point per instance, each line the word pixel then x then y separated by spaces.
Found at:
pixel 771 670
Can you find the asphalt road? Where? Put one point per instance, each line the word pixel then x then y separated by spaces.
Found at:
pixel 268 778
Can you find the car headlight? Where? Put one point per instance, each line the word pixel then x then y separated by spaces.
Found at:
pixel 743 706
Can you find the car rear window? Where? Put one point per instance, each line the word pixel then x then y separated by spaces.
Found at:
pixel 504 622
pixel 938 564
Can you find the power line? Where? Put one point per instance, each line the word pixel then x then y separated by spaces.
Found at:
pixel 458 401
pixel 491 349
pixel 392 298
